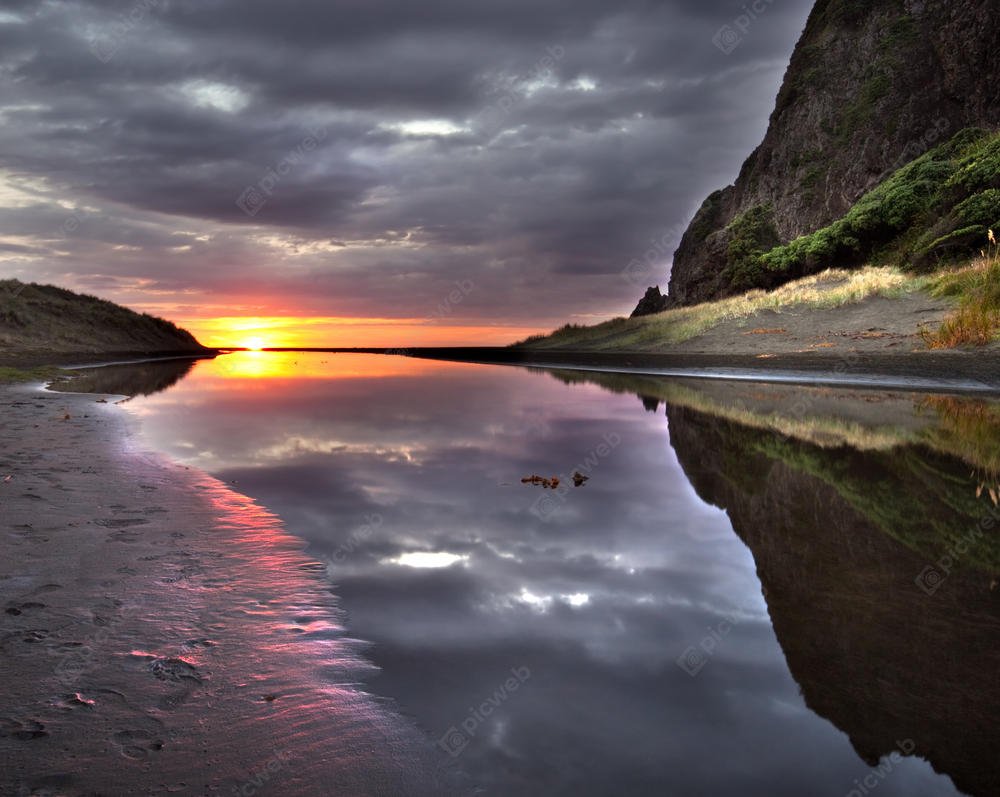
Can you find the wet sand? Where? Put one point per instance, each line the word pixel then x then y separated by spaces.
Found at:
pixel 164 634
pixel 68 359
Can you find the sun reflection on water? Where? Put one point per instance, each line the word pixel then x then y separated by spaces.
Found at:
pixel 313 365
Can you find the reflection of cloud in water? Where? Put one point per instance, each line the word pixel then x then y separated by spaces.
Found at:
pixel 598 603
pixel 421 559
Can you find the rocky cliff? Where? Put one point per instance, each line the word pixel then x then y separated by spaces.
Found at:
pixel 871 86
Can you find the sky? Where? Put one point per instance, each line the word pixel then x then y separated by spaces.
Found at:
pixel 373 173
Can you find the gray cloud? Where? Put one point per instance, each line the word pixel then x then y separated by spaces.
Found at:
pixel 594 154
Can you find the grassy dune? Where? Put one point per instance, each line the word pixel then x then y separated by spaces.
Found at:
pixel 824 291
pixel 43 319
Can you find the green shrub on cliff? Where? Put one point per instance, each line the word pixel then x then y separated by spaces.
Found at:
pixel 979 166
pixel 982 209
pixel 937 208
pixel 702 225
pixel 750 237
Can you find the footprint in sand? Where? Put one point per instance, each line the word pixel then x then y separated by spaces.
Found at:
pixel 26 731
pixel 171 669
pixel 120 523
pixel 76 700
pixel 137 743
pixel 196 644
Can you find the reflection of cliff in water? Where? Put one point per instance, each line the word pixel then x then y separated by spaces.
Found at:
pixel 843 505
pixel 872 652
pixel 128 379
pixel 901 459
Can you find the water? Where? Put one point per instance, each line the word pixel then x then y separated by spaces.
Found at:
pixel 728 605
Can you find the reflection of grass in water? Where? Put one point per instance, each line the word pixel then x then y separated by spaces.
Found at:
pixel 970 430
pixel 822 431
pixel 967 428
pixel 128 379
pixel 922 498
pixel 911 484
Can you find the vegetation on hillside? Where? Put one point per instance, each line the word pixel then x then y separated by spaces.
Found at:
pixel 43 318
pixel 933 216
pixel 933 212
pixel 977 287
pixel 827 290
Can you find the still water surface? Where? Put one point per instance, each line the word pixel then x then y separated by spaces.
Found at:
pixel 718 609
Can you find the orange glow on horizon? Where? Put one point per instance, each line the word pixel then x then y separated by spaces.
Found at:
pixel 258 332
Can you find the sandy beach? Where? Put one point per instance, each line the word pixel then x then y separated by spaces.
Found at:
pixel 164 634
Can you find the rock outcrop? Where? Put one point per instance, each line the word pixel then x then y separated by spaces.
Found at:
pixel 653 302
pixel 871 86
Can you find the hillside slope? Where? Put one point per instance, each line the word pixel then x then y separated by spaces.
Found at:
pixel 43 319
pixel 872 85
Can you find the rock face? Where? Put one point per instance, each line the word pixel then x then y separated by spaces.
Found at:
pixel 871 652
pixel 871 85
pixel 653 302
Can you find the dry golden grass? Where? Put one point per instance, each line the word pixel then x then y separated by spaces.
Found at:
pixel 827 290
pixel 977 319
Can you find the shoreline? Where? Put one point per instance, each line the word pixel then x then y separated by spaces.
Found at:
pixel 71 360
pixel 163 632
pixel 957 370
pixel 960 371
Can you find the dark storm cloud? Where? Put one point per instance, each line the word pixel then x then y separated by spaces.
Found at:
pixel 361 126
